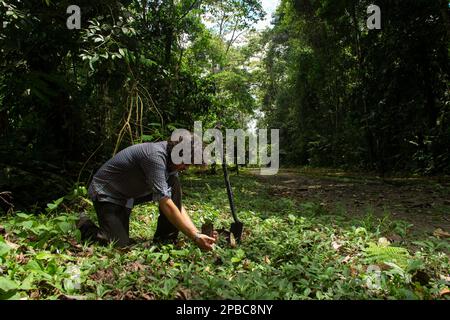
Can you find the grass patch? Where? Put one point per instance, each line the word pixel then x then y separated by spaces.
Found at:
pixel 290 250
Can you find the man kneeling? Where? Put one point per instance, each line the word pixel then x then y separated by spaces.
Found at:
pixel 137 174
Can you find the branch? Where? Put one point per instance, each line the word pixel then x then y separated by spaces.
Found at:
pixel 6 198
pixel 232 40
pixel 191 7
pixel 221 25
pixel 240 34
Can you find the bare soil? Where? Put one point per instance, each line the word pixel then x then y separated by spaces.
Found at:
pixel 423 202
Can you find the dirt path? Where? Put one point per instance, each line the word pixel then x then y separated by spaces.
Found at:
pixel 425 203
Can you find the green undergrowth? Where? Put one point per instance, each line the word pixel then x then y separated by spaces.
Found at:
pixel 289 250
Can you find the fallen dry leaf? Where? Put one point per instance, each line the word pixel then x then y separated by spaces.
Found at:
pixel 184 294
pixel 336 245
pixel 441 233
pixel 246 264
pixel 135 266
pixel 444 292
pixel 148 297
pixel 346 259
pixel 88 252
pixel 267 260
pixel 75 244
pixel 394 238
pixel 35 294
pixel 384 266
pixel 21 259
pixel 106 275
pixel 129 295
pixel 12 245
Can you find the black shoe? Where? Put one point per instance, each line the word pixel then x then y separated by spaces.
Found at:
pixel 83 220
pixel 89 231
pixel 132 242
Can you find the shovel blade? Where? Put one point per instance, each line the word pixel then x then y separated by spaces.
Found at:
pixel 237 229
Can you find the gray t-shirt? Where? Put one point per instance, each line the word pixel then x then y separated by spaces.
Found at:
pixel 134 172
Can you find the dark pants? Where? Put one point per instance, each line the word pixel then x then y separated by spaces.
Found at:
pixel 114 221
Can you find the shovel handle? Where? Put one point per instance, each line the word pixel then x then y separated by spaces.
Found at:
pixel 227 181
pixel 229 191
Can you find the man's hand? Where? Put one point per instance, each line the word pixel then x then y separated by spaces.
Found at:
pixel 183 222
pixel 204 242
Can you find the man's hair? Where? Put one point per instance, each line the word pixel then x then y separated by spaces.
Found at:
pixel 194 143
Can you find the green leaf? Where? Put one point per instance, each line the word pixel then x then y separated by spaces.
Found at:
pixel 169 285
pixel 22 215
pixel 27 284
pixel 51 206
pixel 146 62
pixel 44 256
pixel 307 292
pixel 92 61
pixel 7 284
pixel 239 255
pixel 65 226
pixel 415 264
pixel 11 295
pixel 55 204
pixel 33 265
pixel 26 224
pixel 69 285
pixel 147 138
pixel 236 259
pixel 4 249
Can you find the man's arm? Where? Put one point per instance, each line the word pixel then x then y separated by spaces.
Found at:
pixel 183 223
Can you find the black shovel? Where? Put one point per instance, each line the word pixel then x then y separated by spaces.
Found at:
pixel 237 226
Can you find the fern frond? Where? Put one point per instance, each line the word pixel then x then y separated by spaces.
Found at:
pixel 383 254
